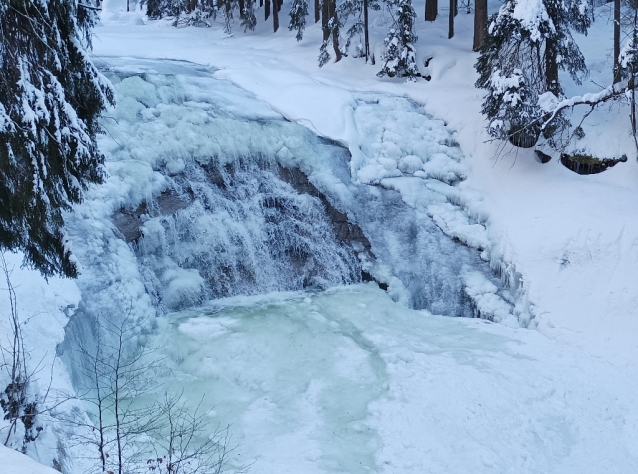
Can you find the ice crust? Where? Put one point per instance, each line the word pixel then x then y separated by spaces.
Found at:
pixel 347 381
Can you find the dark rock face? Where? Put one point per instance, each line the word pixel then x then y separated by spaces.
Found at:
pixel 366 276
pixel 543 157
pixel 277 229
pixel 587 164
pixel 169 202
pixel 344 230
pixel 129 222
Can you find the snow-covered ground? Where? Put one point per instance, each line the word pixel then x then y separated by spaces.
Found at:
pixel 13 462
pixel 349 380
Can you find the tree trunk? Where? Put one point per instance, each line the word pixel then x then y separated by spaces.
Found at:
pixel 450 32
pixel 275 16
pixel 632 83
pixel 261 3
pixel 335 31
pixel 616 41
pixel 366 34
pixel 242 7
pixel 551 67
pixel 317 11
pixel 325 16
pixel 431 10
pixel 267 10
pixel 480 23
pixel 456 7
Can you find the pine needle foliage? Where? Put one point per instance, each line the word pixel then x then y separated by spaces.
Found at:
pixel 399 58
pixel 51 96
pixel 519 62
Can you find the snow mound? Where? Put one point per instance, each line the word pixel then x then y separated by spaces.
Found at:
pixel 13 462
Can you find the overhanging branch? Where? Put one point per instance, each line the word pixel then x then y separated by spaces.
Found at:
pixel 89 7
pixel 612 92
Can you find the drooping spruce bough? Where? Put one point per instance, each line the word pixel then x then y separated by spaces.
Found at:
pixel 51 96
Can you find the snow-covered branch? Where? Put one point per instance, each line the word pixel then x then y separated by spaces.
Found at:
pixel 553 107
pixel 89 7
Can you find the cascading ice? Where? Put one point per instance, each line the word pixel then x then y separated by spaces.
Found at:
pixel 246 232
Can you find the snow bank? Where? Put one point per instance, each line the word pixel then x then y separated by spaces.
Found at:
pixel 13 462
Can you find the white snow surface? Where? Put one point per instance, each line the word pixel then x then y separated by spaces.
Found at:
pixel 13 462
pixel 350 381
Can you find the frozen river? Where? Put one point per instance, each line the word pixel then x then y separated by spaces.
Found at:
pixel 348 381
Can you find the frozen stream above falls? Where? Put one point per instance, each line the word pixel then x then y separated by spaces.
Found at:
pixel 238 274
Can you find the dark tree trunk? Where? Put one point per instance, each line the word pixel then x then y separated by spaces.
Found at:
pixel 267 10
pixel 450 32
pixel 632 83
pixel 480 23
pixel 261 3
pixel 616 41
pixel 325 16
pixel 431 9
pixel 366 34
pixel 456 7
pixel 275 16
pixel 317 11
pixel 335 31
pixel 551 67
pixel 241 9
pixel 281 4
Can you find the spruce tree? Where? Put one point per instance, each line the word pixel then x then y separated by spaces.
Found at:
pixel 400 55
pixel 298 14
pixel 51 96
pixel 157 9
pixel 358 10
pixel 354 9
pixel 628 66
pixel 331 26
pixel 519 62
pixel 248 18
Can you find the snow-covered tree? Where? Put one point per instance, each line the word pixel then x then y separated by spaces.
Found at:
pixel 628 55
pixel 248 18
pixel 400 55
pixel 358 10
pixel 331 26
pixel 298 14
pixel 193 12
pixel 528 41
pixel 51 96
pixel 352 9
pixel 156 9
